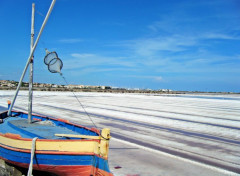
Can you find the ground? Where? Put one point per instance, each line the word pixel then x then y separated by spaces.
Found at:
pixel 157 135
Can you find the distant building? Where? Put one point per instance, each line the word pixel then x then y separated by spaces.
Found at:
pixel 10 84
pixel 71 86
pixel 165 90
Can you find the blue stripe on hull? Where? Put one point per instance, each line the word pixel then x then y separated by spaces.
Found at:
pixel 52 159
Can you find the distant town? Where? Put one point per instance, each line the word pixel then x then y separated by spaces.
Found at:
pixel 12 85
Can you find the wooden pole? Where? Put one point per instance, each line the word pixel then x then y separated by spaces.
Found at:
pixel 30 94
pixel 30 57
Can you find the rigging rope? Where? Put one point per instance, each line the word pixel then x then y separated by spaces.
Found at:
pixel 79 102
pixel 55 65
pixel 30 168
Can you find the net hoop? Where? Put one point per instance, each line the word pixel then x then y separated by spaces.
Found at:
pixel 52 63
pixel 49 57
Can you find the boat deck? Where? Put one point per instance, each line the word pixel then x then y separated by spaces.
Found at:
pixel 40 129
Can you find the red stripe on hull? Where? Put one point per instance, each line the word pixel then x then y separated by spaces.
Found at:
pixel 66 170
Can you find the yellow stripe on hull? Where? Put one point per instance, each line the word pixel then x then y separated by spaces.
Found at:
pixel 53 145
pixel 98 147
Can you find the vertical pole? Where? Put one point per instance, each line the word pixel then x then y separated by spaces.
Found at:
pixel 30 94
pixel 30 57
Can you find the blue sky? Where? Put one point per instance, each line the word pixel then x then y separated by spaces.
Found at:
pixel 180 45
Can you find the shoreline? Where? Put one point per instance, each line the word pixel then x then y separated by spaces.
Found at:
pixel 121 91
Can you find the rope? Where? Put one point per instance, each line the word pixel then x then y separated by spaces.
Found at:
pixel 79 101
pixel 30 168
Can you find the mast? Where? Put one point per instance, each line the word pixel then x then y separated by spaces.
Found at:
pixel 30 94
pixel 30 56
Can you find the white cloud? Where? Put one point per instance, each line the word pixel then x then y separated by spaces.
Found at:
pixel 89 61
pixel 158 78
pixel 151 46
pixel 82 55
pixel 152 78
pixel 71 40
pixel 219 36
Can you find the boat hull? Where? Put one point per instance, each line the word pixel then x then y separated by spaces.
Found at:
pixel 62 157
pixel 64 170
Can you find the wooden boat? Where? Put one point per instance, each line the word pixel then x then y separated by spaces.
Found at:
pixel 61 147
pixel 49 144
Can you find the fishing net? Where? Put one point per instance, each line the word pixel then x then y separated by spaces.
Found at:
pixel 55 65
pixel 53 62
pixel 50 56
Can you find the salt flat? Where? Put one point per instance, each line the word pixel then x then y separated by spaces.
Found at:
pixel 154 134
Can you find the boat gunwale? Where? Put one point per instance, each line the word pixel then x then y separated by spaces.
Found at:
pixel 18 137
